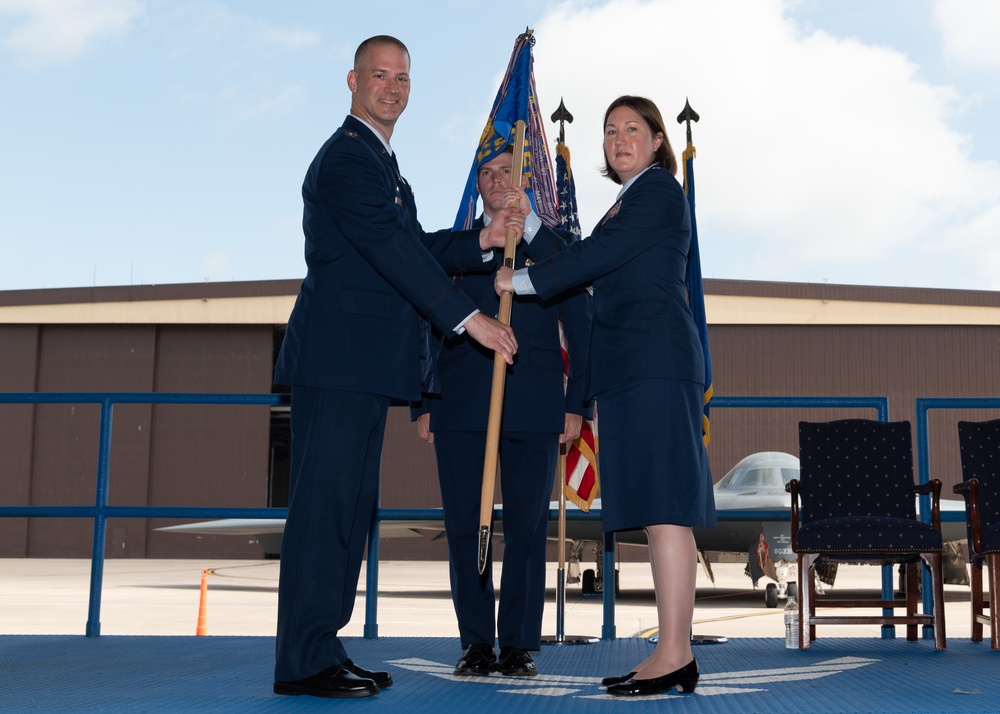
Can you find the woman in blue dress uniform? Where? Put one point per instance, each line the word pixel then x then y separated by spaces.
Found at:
pixel 646 373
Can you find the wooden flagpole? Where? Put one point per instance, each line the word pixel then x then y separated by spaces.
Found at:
pixel 499 374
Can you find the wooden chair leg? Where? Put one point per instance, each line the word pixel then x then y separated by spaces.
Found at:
pixel 992 565
pixel 937 601
pixel 812 599
pixel 977 600
pixel 911 570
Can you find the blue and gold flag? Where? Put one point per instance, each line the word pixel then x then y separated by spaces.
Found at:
pixel 516 100
pixel 696 291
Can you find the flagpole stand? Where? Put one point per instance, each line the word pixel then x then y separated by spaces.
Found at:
pixel 560 638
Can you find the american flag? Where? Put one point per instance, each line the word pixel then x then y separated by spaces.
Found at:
pixel 581 457
pixel 569 219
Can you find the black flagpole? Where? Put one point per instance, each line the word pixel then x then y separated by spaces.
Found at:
pixel 562 115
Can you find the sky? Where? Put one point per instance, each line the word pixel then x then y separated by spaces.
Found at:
pixel 165 141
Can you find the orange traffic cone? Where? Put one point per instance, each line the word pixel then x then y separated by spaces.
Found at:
pixel 202 628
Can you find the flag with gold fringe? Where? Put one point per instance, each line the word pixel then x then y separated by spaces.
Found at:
pixel 696 290
pixel 516 100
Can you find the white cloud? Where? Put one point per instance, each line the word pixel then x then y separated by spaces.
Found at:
pixel 48 32
pixel 266 37
pixel 237 53
pixel 206 26
pixel 256 98
pixel 969 32
pixel 817 156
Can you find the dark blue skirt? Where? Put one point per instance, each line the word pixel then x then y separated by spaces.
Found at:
pixel 653 464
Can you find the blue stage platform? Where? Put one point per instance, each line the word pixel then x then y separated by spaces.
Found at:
pixel 72 673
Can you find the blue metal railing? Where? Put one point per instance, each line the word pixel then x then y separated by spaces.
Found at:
pixel 101 511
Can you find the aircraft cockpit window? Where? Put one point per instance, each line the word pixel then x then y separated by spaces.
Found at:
pixel 760 472
pixel 761 478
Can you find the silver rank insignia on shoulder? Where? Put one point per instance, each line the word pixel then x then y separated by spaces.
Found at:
pixel 352 134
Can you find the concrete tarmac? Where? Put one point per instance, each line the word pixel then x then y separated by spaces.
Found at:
pixel 162 597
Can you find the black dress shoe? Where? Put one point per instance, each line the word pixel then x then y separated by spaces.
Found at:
pixel 477 661
pixel 515 662
pixel 337 682
pixel 608 681
pixel 684 679
pixel 381 679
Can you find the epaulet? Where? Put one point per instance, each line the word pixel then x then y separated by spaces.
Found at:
pixel 351 133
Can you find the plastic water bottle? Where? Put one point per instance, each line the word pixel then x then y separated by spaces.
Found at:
pixel 791 624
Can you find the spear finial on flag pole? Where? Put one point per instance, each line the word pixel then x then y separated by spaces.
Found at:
pixel 688 115
pixel 562 115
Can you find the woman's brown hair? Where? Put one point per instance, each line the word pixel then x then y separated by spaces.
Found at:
pixel 647 110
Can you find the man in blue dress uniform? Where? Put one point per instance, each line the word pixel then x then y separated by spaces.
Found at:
pixel 352 345
pixel 538 415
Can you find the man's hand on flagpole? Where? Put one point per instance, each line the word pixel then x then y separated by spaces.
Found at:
pixel 424 428
pixel 495 234
pixel 493 334
pixel 574 423
pixel 515 196
pixel 503 281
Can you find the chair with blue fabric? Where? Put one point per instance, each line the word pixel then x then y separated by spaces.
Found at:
pixel 980 444
pixel 854 502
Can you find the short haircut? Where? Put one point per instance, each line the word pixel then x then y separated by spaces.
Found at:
pixel 647 110
pixel 361 55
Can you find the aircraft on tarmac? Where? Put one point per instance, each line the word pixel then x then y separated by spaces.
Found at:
pixel 755 483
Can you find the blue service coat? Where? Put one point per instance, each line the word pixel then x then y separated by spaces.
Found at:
pixel 372 273
pixel 643 328
pixel 352 344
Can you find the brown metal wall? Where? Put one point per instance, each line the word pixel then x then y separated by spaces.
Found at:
pixel 194 455
pixel 88 358
pixel 212 455
pixel 209 455
pixel 19 355
pixel 900 362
